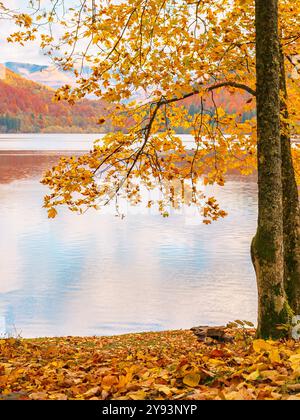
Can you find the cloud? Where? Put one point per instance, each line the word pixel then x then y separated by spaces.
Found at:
pixel 28 54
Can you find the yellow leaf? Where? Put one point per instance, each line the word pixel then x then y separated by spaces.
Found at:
pixel 92 392
pixel 260 346
pixel 165 389
pixel 274 356
pixel 139 395
pixel 52 213
pixel 234 395
pixel 269 374
pixel 295 362
pixel 192 379
pixel 58 396
pixel 253 376
pixel 294 397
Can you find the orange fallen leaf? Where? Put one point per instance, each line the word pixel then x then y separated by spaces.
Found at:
pixel 109 380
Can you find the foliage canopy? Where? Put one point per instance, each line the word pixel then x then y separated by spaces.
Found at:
pixel 146 57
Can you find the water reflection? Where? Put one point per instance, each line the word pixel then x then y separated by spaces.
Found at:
pixel 24 165
pixel 97 274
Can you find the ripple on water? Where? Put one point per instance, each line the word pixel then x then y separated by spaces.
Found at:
pixel 97 274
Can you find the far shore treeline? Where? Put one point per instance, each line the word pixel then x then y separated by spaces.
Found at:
pixel 28 107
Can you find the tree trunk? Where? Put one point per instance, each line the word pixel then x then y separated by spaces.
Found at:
pixel 291 208
pixel 267 245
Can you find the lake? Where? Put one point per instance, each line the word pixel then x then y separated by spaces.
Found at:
pixel 97 274
pixel 57 142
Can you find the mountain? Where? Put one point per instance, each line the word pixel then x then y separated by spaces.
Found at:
pixel 47 75
pixel 26 92
pixel 28 106
pixel 24 68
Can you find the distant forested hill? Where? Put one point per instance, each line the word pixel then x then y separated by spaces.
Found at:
pixel 27 106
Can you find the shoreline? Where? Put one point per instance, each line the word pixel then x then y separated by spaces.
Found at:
pixel 55 152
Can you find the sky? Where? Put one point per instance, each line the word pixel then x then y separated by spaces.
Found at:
pixel 30 53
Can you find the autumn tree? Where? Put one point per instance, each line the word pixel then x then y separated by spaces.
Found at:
pixel 267 245
pixel 290 196
pixel 147 57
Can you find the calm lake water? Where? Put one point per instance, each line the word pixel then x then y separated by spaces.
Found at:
pixel 99 275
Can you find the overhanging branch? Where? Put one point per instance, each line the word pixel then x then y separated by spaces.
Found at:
pixel 235 85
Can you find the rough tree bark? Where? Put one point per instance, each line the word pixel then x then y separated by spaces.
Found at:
pixel 267 245
pixel 291 208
